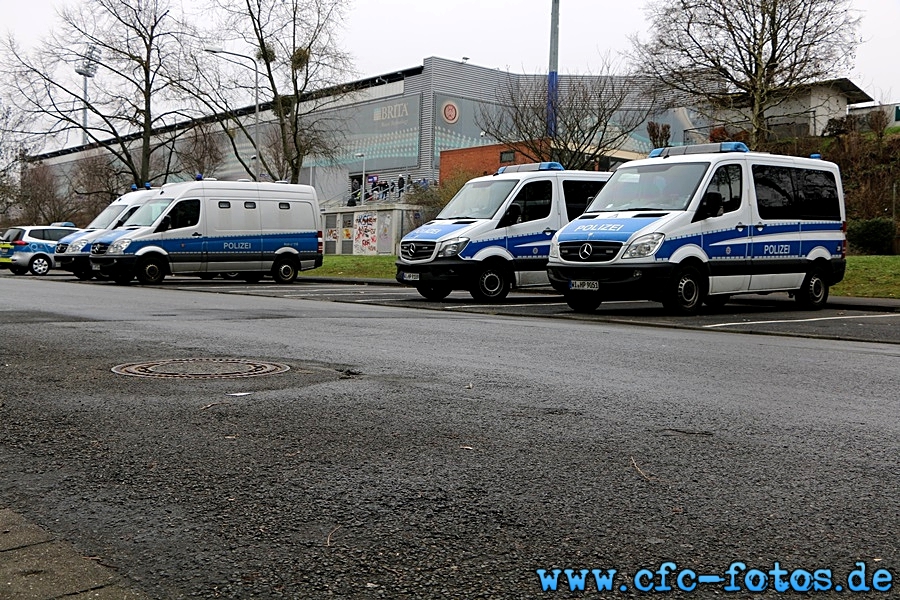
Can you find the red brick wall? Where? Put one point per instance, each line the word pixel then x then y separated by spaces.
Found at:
pixel 479 160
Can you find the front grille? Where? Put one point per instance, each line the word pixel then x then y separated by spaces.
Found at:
pixel 589 251
pixel 416 250
pixel 61 248
pixel 99 248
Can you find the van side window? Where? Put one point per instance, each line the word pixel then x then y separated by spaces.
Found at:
pixel 535 199
pixel 284 206
pixel 224 204
pixel 250 205
pixel 727 182
pixel 185 214
pixel 790 193
pixel 578 194
pixel 774 192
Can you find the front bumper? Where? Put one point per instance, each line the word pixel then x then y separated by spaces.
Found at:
pixel 454 273
pixel 641 281
pixel 113 265
pixel 73 263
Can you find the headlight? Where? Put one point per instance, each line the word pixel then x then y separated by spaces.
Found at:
pixel 77 246
pixel 452 247
pixel 554 247
pixel 118 246
pixel 644 246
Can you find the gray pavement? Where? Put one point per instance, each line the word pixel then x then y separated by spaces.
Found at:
pixel 34 565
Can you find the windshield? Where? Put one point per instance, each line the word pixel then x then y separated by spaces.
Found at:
pixel 478 199
pixel 107 217
pixel 650 187
pixel 148 213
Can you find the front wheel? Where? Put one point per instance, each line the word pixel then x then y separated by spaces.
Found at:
pixel 151 271
pixel 686 292
pixel 39 265
pixel 493 283
pixel 284 270
pixel 583 302
pixel 814 292
pixel 434 293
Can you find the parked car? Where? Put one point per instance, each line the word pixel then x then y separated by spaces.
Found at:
pixel 30 248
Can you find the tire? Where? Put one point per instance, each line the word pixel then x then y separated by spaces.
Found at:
pixel 717 301
pixel 493 283
pixel 435 293
pixel 687 291
pixel 814 293
pixel 83 275
pixel 151 270
pixel 18 270
pixel 39 265
pixel 583 302
pixel 285 270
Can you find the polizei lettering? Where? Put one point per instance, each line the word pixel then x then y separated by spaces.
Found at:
pixel 603 227
pixel 236 246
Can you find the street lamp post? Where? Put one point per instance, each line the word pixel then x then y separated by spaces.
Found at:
pixel 256 102
pixel 87 69
pixel 362 188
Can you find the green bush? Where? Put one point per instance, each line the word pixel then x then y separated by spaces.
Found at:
pixel 871 236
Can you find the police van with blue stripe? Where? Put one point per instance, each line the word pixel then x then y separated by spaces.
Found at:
pixel 495 232
pixel 73 252
pixel 698 224
pixel 207 227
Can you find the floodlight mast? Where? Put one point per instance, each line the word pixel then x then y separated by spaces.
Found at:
pixel 87 68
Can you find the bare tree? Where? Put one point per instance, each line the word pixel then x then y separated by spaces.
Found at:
pixel 595 115
pixel 741 58
pixel 201 150
pixel 95 182
pixel 131 52
pixel 41 200
pixel 293 47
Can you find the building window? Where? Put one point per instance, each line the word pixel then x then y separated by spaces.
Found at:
pixel 508 156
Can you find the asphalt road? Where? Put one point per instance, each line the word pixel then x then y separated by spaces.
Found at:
pixel 413 453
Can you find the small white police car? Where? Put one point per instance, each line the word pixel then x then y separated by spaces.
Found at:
pixel 31 248
pixel 697 224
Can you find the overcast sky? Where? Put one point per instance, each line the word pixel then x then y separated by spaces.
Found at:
pixel 388 35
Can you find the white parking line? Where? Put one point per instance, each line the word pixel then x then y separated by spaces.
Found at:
pixel 802 320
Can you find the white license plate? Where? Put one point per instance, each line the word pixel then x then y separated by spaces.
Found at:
pixel 95 267
pixel 584 285
pixel 410 276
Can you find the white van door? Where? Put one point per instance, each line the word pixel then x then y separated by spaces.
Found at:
pixel 528 234
pixel 234 242
pixel 184 239
pixel 775 246
pixel 726 235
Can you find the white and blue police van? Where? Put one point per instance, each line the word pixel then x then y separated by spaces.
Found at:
pixel 209 227
pixel 495 232
pixel 698 224
pixel 73 252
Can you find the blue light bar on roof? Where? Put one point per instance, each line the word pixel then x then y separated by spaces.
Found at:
pixel 699 149
pixel 542 166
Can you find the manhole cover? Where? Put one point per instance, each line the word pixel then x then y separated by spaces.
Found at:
pixel 201 368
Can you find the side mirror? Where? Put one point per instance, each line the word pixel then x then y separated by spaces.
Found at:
pixel 164 224
pixel 710 205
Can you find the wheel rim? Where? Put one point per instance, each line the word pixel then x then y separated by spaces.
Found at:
pixel 151 271
pixel 688 291
pixel 40 266
pixel 285 271
pixel 816 289
pixel 491 283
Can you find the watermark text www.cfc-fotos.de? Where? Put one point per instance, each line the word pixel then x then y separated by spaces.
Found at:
pixel 738 577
